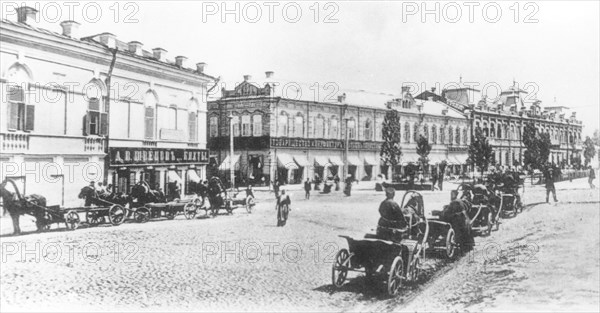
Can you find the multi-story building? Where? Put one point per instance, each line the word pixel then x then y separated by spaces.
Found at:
pixel 503 120
pixel 290 131
pixel 63 126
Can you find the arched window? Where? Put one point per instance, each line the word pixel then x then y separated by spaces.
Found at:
pixel 406 132
pixel 334 129
pixel 283 125
pixel 450 135
pixel 486 131
pixel 20 114
pixel 465 137
pixel 150 102
pixel 442 135
pixel 415 132
pixel 213 126
pixel 96 120
pixel 257 125
pixel 193 121
pixel 426 132
pixel 351 129
pixel 434 138
pixel 492 130
pixel 235 121
pixel 499 133
pixel 299 126
pixel 368 130
pixel 246 126
pixel 512 132
pixel 172 117
pixel 458 135
pixel 319 127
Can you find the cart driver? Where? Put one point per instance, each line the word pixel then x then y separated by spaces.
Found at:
pixel 391 215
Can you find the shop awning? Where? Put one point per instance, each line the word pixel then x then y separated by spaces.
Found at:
pixel 460 159
pixel 436 158
pixel 335 160
pixel 173 176
pixel 409 158
pixel 286 161
pixel 193 176
pixel 321 161
pixel 354 160
pixel 370 160
pixel 226 162
pixel 301 160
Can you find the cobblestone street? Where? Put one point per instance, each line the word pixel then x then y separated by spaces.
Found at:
pixel 238 262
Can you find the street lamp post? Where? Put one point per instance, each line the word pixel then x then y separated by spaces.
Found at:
pixel 346 169
pixel 231 164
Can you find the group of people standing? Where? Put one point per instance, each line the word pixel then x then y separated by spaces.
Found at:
pixel 328 184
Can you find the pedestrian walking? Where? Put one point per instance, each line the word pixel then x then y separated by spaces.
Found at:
pixel 307 189
pixel 336 180
pixel 549 177
pixel 591 178
pixel 348 185
pixel 434 178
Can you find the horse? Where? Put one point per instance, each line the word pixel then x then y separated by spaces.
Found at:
pixel 456 213
pixel 17 205
pixel 144 194
pixel 215 191
pixel 92 197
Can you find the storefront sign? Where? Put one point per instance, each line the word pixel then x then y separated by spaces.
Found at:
pixel 120 156
pixel 325 144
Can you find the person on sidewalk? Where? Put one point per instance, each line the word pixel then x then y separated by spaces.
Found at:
pixel 591 178
pixel 434 178
pixel 549 177
pixel 307 189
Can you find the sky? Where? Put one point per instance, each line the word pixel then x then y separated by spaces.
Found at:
pixel 550 48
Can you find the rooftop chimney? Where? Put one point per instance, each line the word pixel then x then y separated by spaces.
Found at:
pixel 135 47
pixel 200 67
pixel 269 74
pixel 180 60
pixel 160 54
pixel 247 77
pixel 26 14
pixel 108 39
pixel 70 29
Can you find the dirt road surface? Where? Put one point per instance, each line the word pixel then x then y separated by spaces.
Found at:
pixel 546 258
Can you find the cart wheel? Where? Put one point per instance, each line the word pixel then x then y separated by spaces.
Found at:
pixel 339 269
pixel 414 269
pixel 450 251
pixel 170 213
pixel 92 218
pixel 250 204
pixel 189 210
pixel 395 276
pixel 116 214
pixel 142 215
pixel 72 220
pixel 44 222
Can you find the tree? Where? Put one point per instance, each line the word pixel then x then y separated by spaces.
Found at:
pixel 589 151
pixel 423 149
pixel 537 147
pixel 481 153
pixel 390 149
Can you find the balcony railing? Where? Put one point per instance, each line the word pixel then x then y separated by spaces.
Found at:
pixel 93 144
pixel 15 142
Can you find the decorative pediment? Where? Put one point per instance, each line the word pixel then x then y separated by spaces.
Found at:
pixel 247 89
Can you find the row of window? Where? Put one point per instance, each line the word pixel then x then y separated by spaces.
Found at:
pixel 455 135
pixel 496 132
pixel 250 125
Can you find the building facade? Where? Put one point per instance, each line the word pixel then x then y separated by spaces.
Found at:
pixel 503 119
pixel 294 137
pixel 62 125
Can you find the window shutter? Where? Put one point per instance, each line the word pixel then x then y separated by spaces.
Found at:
pixel 29 117
pixel 13 111
pixel 103 124
pixel 86 123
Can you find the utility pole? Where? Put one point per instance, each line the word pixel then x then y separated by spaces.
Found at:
pixel 107 109
pixel 231 164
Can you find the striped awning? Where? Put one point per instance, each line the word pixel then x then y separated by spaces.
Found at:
pixel 286 161
pixel 370 160
pixel 354 160
pixel 301 160
pixel 335 160
pixel 321 161
pixel 225 165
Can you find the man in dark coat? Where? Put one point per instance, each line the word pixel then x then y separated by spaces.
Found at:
pixel 591 178
pixel 307 189
pixel 391 216
pixel 549 177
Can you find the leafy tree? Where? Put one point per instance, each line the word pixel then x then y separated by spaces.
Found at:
pixel 537 147
pixel 481 153
pixel 589 151
pixel 423 149
pixel 390 149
